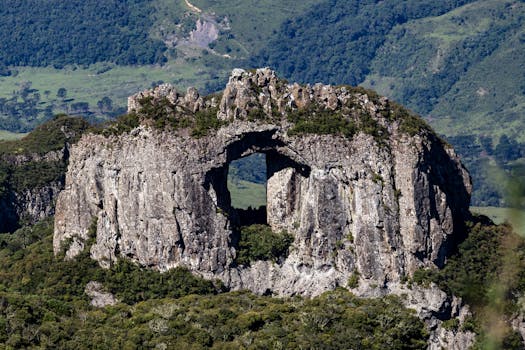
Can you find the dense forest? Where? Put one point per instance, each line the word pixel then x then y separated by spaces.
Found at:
pixel 57 33
pixel 336 40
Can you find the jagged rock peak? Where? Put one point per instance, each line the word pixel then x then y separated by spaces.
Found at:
pixel 192 101
pixel 260 90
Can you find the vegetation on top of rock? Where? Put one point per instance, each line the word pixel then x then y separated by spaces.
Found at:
pixel 259 242
pixel 409 122
pixel 320 121
pixel 162 114
pixel 50 136
pixel 347 122
pixel 205 121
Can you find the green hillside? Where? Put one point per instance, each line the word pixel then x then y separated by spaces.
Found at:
pixel 463 69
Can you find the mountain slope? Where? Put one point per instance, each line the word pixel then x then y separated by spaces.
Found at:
pixel 463 68
pixel 335 41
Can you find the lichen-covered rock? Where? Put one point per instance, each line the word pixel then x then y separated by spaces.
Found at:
pixel 377 204
pixel 99 297
pixel 518 324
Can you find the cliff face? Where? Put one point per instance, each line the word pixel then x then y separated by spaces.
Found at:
pixel 30 204
pixel 378 204
pixel 32 171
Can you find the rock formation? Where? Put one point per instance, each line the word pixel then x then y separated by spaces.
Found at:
pixel 378 204
pixel 30 180
pixel 99 297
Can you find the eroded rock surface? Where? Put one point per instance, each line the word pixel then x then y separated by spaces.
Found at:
pixel 30 180
pixel 379 204
pixel 99 297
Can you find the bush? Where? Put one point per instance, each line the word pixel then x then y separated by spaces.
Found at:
pixel 320 121
pixel 353 281
pixel 206 121
pixel 259 242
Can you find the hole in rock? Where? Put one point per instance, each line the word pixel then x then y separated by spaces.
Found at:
pixel 247 178
pixel 240 184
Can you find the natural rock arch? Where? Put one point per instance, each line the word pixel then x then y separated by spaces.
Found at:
pixel 276 161
pixel 378 204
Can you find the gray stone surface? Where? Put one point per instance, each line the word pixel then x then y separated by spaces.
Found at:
pixel 99 297
pixel 379 209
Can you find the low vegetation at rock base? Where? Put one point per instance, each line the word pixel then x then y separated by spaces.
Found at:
pixel 259 242
pixel 488 272
pixel 42 304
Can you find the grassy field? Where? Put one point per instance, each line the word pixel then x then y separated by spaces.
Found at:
pixel 245 194
pixel 515 217
pixel 92 83
pixel 8 136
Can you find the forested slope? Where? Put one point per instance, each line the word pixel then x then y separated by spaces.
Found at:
pixel 57 33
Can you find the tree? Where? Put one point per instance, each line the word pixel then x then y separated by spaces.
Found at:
pixel 62 93
pixel 105 104
pixel 507 149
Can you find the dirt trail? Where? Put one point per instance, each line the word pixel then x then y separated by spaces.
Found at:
pixel 193 7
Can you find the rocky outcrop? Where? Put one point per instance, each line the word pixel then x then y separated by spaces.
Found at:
pixel 32 171
pixel 99 297
pixel 379 204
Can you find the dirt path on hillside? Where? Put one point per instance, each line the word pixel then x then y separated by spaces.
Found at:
pixel 193 7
